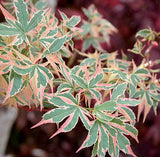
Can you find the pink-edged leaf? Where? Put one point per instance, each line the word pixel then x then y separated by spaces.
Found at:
pixel 113 147
pixel 41 123
pixel 119 91
pixel 6 14
pixel 14 85
pixel 53 59
pixel 106 86
pixel 130 151
pixel 128 129
pixel 41 94
pixel 86 73
pixel 8 91
pixel 96 77
pixel 91 137
pixel 96 95
pixel 63 15
pixel 127 102
pixel 6 30
pixel 69 124
pixel 28 93
pixel 66 73
pixel 128 113
pixel 85 119
pixel 5 68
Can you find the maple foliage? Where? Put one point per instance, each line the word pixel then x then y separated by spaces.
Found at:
pixel 99 91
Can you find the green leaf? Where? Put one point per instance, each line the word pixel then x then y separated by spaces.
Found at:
pixel 22 13
pixel 17 83
pixel 132 90
pixel 123 142
pixel 117 121
pixel 41 80
pixel 23 71
pixel 46 71
pixel 113 149
pixel 131 129
pixel 105 86
pixel 53 32
pixel 8 31
pixel 129 112
pixel 57 101
pixel 102 116
pixel 58 114
pixel 103 142
pixel 86 44
pixel 118 91
pixel 95 80
pixel 155 96
pixel 35 20
pixel 63 15
pixel 85 121
pixel 122 75
pixel 72 122
pixel 66 73
pixel 110 129
pixel 64 87
pixel 80 81
pixel 96 94
pixel 88 61
pixel 40 5
pixel 148 98
pixel 107 106
pixel 128 102
pixel 73 21
pixel 70 97
pixel 143 33
pixel 142 71
pixel 92 136
pixel 139 94
pixel 57 44
pixel 95 149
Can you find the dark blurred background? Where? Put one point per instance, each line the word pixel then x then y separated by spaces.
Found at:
pixel 128 16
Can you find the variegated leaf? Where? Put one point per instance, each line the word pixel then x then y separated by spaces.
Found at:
pixel 67 106
pixel 7 30
pixel 80 81
pixel 57 44
pixel 128 102
pixel 14 85
pixel 37 17
pixel 73 21
pixel 119 91
pixel 22 13
pixel 107 106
